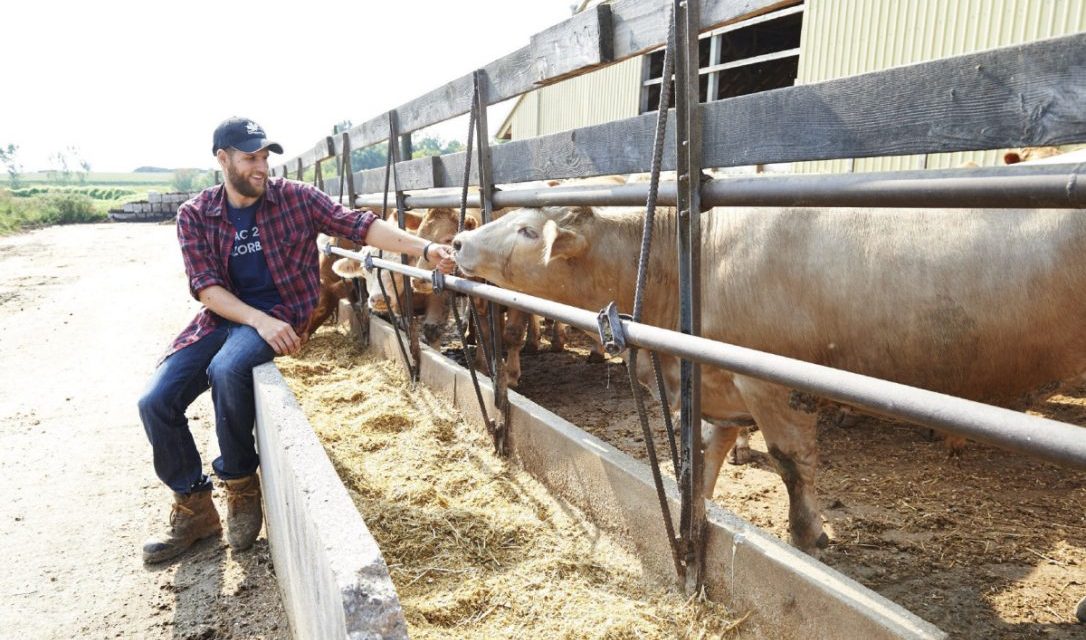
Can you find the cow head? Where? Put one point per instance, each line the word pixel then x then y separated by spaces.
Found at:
pixel 532 250
pixel 439 226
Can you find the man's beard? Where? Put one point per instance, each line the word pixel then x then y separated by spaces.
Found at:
pixel 242 185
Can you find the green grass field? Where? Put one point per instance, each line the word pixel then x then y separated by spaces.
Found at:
pixel 43 201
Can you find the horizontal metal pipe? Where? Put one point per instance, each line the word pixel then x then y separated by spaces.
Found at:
pixel 1053 441
pixel 1040 186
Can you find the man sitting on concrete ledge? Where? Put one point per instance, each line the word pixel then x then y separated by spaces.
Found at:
pixel 250 253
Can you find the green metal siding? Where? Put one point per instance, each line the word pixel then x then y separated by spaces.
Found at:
pixel 611 93
pixel 848 37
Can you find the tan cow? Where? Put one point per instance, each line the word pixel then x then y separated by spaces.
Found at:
pixel 519 330
pixel 978 304
pixel 333 287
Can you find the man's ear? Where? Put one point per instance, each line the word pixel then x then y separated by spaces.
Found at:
pixel 561 243
pixel 221 156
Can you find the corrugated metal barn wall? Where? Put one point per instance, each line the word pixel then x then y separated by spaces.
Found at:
pixel 609 94
pixel 848 37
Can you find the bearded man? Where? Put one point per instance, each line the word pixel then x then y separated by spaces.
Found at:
pixel 249 248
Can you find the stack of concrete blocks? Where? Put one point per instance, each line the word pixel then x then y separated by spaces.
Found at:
pixel 157 206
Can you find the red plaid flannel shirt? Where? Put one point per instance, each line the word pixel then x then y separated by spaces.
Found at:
pixel 290 216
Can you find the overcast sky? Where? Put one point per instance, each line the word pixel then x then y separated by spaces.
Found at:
pixel 145 83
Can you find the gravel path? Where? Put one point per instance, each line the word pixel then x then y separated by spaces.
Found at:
pixel 87 310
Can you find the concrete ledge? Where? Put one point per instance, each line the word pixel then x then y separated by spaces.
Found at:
pixel 333 579
pixel 790 594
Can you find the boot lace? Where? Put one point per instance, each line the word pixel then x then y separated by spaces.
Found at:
pixel 179 511
pixel 236 497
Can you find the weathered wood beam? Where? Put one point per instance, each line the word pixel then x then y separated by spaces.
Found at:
pixel 1025 95
pixel 635 26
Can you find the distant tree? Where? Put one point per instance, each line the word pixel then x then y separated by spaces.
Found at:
pixel 184 180
pixel 433 146
pixel 11 165
pixel 191 180
pixel 370 157
pixel 146 169
pixel 60 171
pixel 77 160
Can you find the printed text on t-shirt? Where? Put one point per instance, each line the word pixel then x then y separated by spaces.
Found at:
pixel 246 241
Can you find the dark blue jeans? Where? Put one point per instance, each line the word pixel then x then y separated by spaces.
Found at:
pixel 223 360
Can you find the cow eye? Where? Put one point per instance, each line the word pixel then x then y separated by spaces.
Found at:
pixel 528 232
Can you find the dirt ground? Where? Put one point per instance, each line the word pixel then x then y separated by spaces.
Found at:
pixel 87 311
pixel 991 545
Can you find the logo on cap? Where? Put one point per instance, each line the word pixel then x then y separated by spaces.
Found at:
pixel 253 128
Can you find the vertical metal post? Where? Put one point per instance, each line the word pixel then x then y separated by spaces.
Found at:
pixel 300 173
pixel 486 188
pixel 347 179
pixel 405 146
pixel 688 165
pixel 408 308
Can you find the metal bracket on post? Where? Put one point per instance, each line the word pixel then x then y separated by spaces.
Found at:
pixel 612 335
pixel 437 280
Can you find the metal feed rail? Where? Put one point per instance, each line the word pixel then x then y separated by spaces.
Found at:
pixel 1039 186
pixel 1049 440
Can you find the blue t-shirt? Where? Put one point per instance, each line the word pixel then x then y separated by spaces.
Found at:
pixel 248 267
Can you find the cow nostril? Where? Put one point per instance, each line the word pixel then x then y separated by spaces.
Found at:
pixel 457 244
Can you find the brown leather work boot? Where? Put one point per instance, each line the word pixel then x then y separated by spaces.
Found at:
pixel 244 513
pixel 193 517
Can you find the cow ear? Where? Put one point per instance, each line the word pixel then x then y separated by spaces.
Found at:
pixel 470 223
pixel 561 243
pixel 575 215
pixel 348 268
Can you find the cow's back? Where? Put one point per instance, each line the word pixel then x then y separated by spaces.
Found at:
pixel 985 304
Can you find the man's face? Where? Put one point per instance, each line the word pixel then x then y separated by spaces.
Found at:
pixel 247 172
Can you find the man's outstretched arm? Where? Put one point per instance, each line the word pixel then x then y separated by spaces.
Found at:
pixel 385 235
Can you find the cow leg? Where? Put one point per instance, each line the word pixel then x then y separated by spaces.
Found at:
pixel 433 323
pixel 741 450
pixel 716 439
pixel 597 354
pixel 513 335
pixel 535 331
pixel 558 336
pixel 326 302
pixel 791 439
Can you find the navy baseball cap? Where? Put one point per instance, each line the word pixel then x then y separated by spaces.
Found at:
pixel 242 134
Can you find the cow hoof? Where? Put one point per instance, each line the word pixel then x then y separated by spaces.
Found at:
pixel 1080 611
pixel 595 357
pixel 739 456
pixel 823 541
pixel 557 347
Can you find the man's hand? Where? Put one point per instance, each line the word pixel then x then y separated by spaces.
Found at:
pixel 443 256
pixel 278 334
